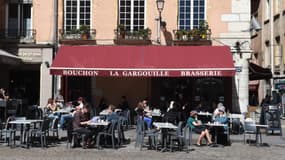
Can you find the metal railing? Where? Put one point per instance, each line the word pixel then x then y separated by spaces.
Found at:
pixel 144 34
pixel 23 36
pixel 71 35
pixel 192 35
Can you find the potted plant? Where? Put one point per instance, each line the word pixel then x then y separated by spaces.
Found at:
pixel 121 31
pixel 178 34
pixel 195 34
pixel 85 31
pixel 144 33
pixel 203 29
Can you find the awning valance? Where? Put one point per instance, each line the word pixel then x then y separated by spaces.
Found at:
pixel 144 61
pixel 257 72
pixel 8 58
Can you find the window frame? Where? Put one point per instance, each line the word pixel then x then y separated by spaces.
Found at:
pixel 132 13
pixel 191 18
pixel 78 19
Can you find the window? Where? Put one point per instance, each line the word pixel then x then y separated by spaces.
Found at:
pixel 190 13
pixel 132 14
pixel 19 19
pixel 76 13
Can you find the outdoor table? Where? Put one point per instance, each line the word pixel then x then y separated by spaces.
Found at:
pixel 104 113
pixel 24 124
pixel 258 127
pixel 63 111
pixel 216 126
pixel 101 123
pixel 164 126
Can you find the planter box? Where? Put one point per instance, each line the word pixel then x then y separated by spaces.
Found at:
pixel 136 42
pixel 77 42
pixel 192 43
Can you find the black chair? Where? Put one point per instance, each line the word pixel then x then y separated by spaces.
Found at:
pixel 41 132
pixel 54 128
pixel 108 133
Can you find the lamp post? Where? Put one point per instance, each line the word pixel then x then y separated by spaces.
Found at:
pixel 159 5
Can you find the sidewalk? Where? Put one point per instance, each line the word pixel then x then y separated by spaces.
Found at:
pixel 237 151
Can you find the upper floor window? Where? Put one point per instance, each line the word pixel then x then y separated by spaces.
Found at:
pixel 190 13
pixel 19 20
pixel 132 14
pixel 76 13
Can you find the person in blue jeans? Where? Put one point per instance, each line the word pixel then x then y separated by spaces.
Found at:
pixel 141 109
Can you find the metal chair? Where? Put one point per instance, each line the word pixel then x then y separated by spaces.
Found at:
pixel 178 135
pixel 54 128
pixel 249 129
pixel 109 132
pixel 142 132
pixel 42 132
pixel 7 133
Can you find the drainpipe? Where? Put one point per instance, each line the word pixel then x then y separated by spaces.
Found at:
pixel 271 44
pixel 55 79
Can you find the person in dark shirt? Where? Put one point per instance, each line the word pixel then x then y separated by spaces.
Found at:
pixel 124 105
pixel 78 118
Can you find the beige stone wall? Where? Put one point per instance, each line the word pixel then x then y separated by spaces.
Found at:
pixel 214 14
pixel 43 20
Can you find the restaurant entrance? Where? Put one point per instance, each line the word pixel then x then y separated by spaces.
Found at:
pixel 208 90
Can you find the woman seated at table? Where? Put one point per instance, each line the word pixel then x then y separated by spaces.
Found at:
pixel 198 128
pixel 51 108
pixel 143 111
pixel 221 118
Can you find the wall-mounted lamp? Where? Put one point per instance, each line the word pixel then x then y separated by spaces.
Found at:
pixel 254 24
pixel 160 6
pixel 47 64
pixel 238 47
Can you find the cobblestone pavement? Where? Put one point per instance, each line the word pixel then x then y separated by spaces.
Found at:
pixel 237 151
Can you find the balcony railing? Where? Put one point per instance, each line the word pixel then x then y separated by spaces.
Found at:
pixel 192 37
pixel 20 36
pixel 77 38
pixel 141 37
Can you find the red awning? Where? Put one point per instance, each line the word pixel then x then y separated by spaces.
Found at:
pixel 144 61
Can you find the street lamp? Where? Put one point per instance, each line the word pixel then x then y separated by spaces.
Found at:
pixel 159 5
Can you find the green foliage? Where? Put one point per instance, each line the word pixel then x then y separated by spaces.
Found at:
pixel 84 29
pixel 144 33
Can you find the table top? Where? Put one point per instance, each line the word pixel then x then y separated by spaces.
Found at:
pixel 27 121
pixel 104 113
pixel 104 123
pixel 204 114
pixel 260 125
pixel 64 110
pixel 216 124
pixel 165 125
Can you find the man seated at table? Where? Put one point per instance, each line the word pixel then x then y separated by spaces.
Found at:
pixel 79 117
pixel 198 128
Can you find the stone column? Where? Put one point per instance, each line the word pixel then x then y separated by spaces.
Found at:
pixel 241 58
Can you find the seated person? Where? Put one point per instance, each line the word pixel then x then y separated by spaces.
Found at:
pixel 172 114
pixel 51 108
pixel 142 111
pixel 222 119
pixel 79 117
pixel 112 116
pixel 198 128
